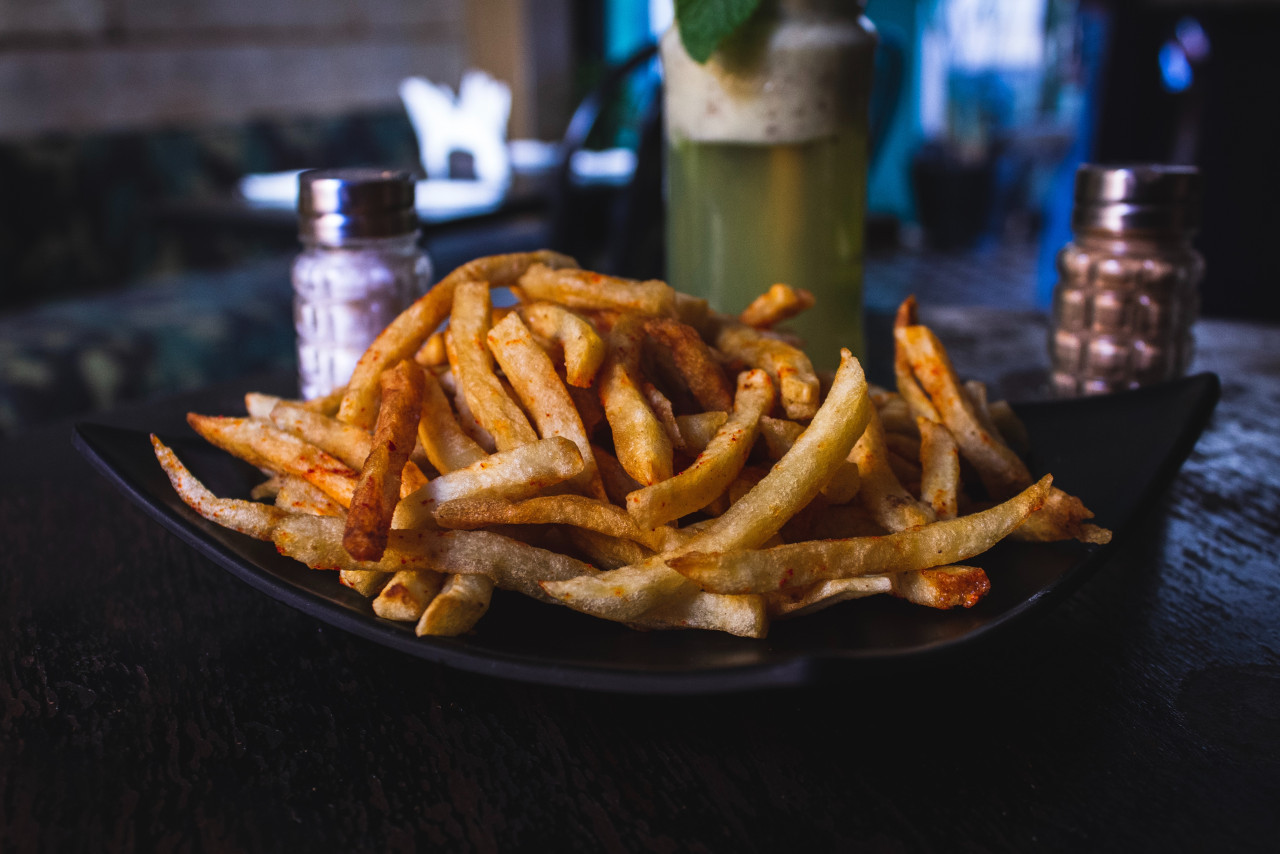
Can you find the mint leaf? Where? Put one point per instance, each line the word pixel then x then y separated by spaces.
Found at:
pixel 706 23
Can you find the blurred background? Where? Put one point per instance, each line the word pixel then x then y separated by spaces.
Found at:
pixel 135 259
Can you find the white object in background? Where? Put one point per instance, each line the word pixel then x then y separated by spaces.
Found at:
pixel 610 166
pixel 475 122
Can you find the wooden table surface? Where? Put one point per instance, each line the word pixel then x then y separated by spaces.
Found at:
pixel 150 701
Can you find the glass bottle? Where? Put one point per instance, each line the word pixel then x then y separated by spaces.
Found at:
pixel 767 164
pixel 1128 283
pixel 360 266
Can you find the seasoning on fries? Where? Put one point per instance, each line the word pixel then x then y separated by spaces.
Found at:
pixel 615 447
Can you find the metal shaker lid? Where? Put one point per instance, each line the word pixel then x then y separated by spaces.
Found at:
pixel 1137 197
pixel 337 204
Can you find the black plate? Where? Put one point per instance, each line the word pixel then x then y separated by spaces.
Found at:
pixel 1118 453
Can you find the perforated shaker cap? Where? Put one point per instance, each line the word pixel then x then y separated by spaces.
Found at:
pixel 339 204
pixel 1137 197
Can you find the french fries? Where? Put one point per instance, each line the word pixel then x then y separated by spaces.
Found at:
pixel 616 447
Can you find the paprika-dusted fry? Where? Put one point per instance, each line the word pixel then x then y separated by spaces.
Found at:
pixel 378 492
pixel 641 443
pixel 779 303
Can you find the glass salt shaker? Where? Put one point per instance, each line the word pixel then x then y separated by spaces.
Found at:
pixel 1128 283
pixel 360 266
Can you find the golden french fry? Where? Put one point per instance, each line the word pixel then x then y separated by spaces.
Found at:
pixel 583 347
pixel 699 428
pixel 779 303
pixel 247 517
pixel 407 595
pixel 466 418
pixel 543 393
pixel 641 443
pixel 298 496
pixel 665 413
pixel 327 404
pixel 789 368
pixel 432 353
pixel 940 468
pixel 1000 469
pixel 269 488
pixel 378 491
pixel 458 606
pixel 943 587
pixel 914 396
pixel 803 564
pixel 587 290
pixel 802 601
pixel 446 444
pixel 693 359
pixel 259 405
pixel 367 583
pixel 262 445
pixel 404 335
pixel 881 493
pixel 607 552
pixel 519 473
pixel 780 434
pixel 617 483
pixel 1011 428
pixel 576 510
pixel 1062 518
pixel 715 468
pixel 468 329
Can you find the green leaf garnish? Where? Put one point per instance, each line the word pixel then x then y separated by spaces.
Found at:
pixel 706 23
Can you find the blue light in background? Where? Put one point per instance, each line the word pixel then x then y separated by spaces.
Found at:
pixel 1175 69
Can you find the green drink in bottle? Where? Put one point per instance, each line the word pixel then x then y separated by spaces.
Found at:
pixel 767 165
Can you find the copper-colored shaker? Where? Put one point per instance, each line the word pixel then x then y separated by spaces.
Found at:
pixel 1128 283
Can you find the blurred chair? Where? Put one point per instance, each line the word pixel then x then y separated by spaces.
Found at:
pixel 615 229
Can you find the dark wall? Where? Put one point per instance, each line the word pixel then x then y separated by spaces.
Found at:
pixel 1232 112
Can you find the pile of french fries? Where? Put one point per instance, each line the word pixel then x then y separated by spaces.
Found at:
pixel 616 447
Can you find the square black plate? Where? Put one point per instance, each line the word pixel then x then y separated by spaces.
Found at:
pixel 1118 453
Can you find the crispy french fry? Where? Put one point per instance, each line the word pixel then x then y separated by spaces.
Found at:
pixel 607 552
pixel 583 347
pixel 914 396
pixel 576 510
pixel 641 443
pixel 881 493
pixel 697 366
pixel 943 586
pixel 699 428
pixel 262 445
pixel 1000 469
pixel 298 496
pixel 469 328
pixel 802 601
pixel 543 394
pixel 617 483
pixel 779 303
pixel 789 368
pixel 716 467
pixel 247 517
pixel 459 605
pixel 804 564
pixel 447 446
pixel 587 290
pixel 940 465
pixel 378 491
pixel 519 473
pixel 407 595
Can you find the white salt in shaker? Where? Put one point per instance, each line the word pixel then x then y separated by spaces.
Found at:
pixel 360 267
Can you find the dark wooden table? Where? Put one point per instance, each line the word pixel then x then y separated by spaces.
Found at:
pixel 150 701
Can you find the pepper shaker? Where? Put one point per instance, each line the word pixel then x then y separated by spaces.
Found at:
pixel 1128 283
pixel 360 266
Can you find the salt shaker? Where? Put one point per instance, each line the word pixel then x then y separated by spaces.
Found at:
pixel 360 266
pixel 1127 292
